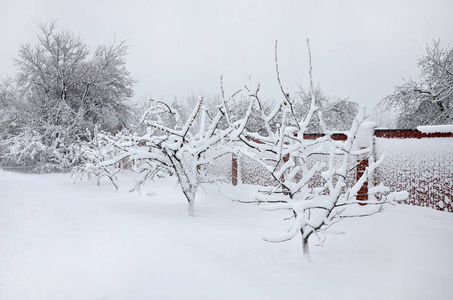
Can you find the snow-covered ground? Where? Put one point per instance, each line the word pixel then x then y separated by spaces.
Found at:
pixel 60 240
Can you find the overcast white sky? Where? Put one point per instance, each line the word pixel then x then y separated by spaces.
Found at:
pixel 361 48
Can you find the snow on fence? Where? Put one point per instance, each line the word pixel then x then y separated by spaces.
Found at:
pixel 418 161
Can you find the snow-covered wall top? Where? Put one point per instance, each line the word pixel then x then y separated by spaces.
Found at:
pixel 435 128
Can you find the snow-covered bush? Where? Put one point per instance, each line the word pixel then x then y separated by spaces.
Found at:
pixel 31 148
pixel 92 154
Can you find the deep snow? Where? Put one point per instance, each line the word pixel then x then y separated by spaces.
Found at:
pixel 60 240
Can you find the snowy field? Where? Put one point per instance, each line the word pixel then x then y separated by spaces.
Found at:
pixel 60 240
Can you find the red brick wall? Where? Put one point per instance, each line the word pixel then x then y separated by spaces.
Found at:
pixel 409 134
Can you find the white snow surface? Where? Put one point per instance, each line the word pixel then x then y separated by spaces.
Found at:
pixel 435 128
pixel 60 240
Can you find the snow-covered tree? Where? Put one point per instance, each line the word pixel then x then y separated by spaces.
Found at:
pixel 13 112
pixel 178 150
pixel 67 86
pixel 311 175
pixel 65 91
pixel 430 100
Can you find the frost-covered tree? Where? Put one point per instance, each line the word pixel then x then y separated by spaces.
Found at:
pixel 337 113
pixel 315 191
pixel 59 78
pixel 65 90
pixel 13 112
pixel 428 101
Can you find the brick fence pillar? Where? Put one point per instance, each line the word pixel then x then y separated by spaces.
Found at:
pixel 362 195
pixel 364 140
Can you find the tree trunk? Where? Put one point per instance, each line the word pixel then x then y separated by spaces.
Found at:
pixel 190 192
pixel 306 249
pixel 192 208
pixel 187 187
pixel 305 246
